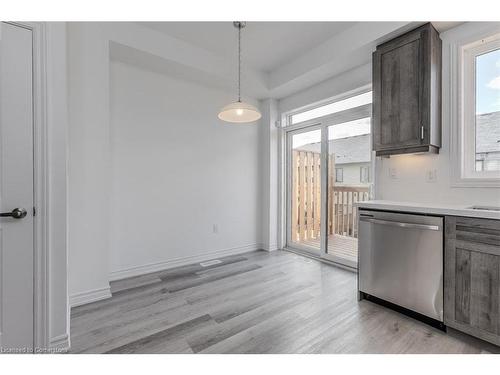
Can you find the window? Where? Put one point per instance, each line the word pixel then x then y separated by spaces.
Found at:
pixel 479 144
pixel 364 174
pixel 339 174
pixel 487 125
pixel 323 159
pixel 328 109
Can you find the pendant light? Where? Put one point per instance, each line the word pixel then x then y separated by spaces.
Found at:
pixel 239 112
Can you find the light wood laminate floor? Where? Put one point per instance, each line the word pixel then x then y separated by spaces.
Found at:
pixel 343 247
pixel 258 302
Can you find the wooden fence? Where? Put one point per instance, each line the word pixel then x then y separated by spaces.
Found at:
pixel 306 199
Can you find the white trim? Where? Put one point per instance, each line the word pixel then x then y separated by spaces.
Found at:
pixel 467 91
pixel 282 186
pixel 315 125
pixel 176 262
pixel 41 166
pixel 454 42
pixel 322 123
pixel 60 342
pixel 283 129
pixel 285 116
pixel 321 259
pixel 89 296
pixel 271 247
pixel 40 182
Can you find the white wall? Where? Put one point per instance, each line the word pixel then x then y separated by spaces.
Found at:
pixel 353 79
pixel 269 199
pixel 176 171
pixel 57 127
pixel 410 182
pixel 88 166
pixel 159 215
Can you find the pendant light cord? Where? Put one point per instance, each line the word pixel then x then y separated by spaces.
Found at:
pixel 239 63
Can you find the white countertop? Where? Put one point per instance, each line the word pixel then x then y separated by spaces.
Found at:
pixel 428 208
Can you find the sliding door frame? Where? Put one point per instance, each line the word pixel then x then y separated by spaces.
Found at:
pixel 309 126
pixel 322 123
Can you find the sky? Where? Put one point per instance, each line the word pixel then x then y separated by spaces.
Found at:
pixel 488 82
pixel 346 129
pixel 341 105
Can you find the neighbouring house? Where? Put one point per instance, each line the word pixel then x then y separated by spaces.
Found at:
pixel 488 141
pixel 352 158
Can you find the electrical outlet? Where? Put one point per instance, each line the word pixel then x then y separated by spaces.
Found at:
pixel 431 175
pixel 393 173
pixel 215 228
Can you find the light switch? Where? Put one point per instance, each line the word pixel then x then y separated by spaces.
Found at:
pixel 431 175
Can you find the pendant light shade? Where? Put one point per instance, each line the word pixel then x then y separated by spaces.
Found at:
pixel 239 112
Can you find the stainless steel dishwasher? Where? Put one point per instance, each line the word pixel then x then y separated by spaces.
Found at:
pixel 401 260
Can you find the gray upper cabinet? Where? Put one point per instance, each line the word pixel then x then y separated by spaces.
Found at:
pixel 407 93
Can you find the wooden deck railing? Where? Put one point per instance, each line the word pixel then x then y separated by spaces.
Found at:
pixel 306 199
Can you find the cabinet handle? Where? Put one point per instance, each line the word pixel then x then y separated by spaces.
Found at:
pixel 422 132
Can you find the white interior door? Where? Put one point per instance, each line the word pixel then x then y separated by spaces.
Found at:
pixel 16 189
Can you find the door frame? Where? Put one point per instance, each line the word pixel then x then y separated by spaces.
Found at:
pixel 286 133
pixel 309 126
pixel 41 188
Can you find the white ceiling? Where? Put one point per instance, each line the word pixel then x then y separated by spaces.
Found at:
pixel 279 58
pixel 265 45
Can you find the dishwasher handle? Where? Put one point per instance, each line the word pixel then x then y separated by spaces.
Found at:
pixel 400 224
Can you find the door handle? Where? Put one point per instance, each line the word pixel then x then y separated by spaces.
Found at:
pixel 16 213
pixel 400 224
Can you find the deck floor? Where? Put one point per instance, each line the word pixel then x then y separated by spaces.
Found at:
pixel 258 302
pixel 343 247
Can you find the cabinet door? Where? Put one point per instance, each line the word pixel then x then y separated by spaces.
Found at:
pixel 472 277
pixel 399 70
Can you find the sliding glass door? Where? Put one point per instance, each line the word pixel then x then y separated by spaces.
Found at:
pixel 348 181
pixel 305 189
pixel 329 169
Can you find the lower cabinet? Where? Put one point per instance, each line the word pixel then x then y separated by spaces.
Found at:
pixel 472 277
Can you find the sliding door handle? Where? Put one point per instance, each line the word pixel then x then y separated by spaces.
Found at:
pixel 16 213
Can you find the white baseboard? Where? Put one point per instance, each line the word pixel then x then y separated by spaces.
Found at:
pixel 271 247
pixel 83 298
pixel 171 263
pixel 59 343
